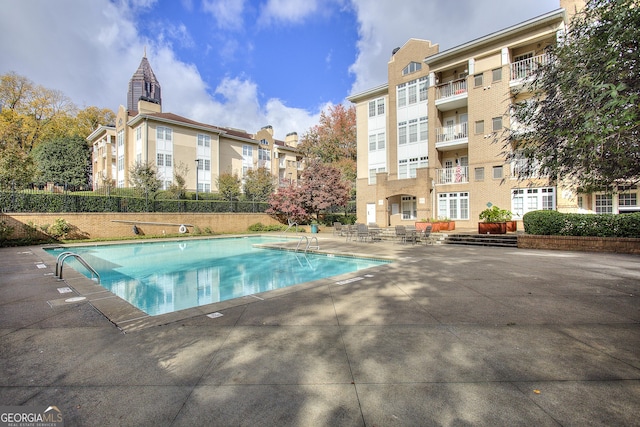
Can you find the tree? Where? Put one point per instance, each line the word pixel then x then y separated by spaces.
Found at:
pixel 322 188
pixel 63 161
pixel 333 140
pixel 16 168
pixel 582 125
pixel 144 177
pixel 286 205
pixel 178 187
pixel 229 185
pixel 258 184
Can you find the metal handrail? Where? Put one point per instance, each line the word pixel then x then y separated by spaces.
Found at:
pixel 64 255
pixel 309 242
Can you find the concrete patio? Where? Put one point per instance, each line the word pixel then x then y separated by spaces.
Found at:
pixel 445 335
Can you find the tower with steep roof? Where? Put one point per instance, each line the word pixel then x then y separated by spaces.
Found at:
pixel 143 85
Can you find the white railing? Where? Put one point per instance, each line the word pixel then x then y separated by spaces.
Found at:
pixel 452 88
pixel 451 133
pixel 527 67
pixel 454 175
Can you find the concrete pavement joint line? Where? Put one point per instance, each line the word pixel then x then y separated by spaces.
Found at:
pixel 256 297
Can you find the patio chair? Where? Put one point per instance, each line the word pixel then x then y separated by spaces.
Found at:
pixel 337 229
pixel 363 232
pixel 401 233
pixel 349 231
pixel 426 236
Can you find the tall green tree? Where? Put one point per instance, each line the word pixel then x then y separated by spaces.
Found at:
pixel 143 176
pixel 258 184
pixel 63 161
pixel 17 169
pixel 582 125
pixel 229 185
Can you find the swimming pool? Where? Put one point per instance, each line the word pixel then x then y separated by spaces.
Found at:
pixel 163 277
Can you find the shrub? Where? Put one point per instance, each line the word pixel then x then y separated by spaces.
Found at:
pixel 495 214
pixel 59 228
pixel 549 223
pixel 5 230
pixel 261 228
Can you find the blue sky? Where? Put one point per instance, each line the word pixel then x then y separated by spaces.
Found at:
pixel 235 63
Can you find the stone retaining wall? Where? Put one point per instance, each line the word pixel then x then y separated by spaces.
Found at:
pixel 584 244
pixel 102 225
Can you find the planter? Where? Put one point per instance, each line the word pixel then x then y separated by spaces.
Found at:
pixel 314 228
pixel 422 225
pixel 452 225
pixel 492 228
pixel 512 226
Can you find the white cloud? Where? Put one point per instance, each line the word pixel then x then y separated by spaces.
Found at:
pixel 294 11
pixel 387 24
pixel 227 13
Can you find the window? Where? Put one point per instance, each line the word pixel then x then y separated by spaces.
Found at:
pixel 402 133
pixel 479 128
pixel 120 138
pixel 402 96
pixel 413 130
pixel 204 140
pixel 497 172
pixel 424 129
pixel 479 174
pixel 412 67
pixel 376 142
pixel 207 164
pixel 497 123
pixel 247 152
pixel 424 86
pixel 381 141
pixel 121 163
pixel 477 79
pixel 627 199
pixel 413 97
pixel 372 174
pixel 521 167
pixel 376 107
pixel 138 133
pixel 163 133
pixel 403 171
pixel 453 205
pixel 408 207
pixel 604 203
pixel 496 74
pixel 168 160
pixel 372 143
pixel 532 199
pixel 160 159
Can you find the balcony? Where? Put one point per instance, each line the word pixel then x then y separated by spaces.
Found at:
pixel 522 71
pixel 451 95
pixel 455 175
pixel 452 137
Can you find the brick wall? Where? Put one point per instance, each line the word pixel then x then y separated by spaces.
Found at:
pixel 113 225
pixel 586 244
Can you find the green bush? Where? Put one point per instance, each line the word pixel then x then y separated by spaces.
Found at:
pixel 329 219
pixel 5 230
pixel 554 223
pixel 259 227
pixel 59 228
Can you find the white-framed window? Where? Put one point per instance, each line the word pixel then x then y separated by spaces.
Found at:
pixel 408 206
pixel 412 67
pixel 412 94
pixel 138 132
pixel 525 200
pixel 453 205
pixel 521 167
pixel 121 162
pixel 373 174
pixel 403 169
pixel 424 129
pixel 120 138
pixel 413 130
pixel 159 159
pixel 376 107
pixel 604 203
pixel 423 85
pixel 377 141
pixel 402 95
pixel 204 140
pixel 402 133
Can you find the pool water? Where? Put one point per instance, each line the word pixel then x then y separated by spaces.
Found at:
pixel 162 277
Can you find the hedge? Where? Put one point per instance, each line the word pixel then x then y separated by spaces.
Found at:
pixel 554 223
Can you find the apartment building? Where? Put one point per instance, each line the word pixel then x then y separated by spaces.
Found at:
pixel 429 142
pixel 143 133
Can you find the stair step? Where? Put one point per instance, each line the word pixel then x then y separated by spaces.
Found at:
pixel 498 240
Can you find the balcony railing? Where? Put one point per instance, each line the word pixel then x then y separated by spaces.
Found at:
pixel 452 88
pixel 527 67
pixel 452 133
pixel 455 175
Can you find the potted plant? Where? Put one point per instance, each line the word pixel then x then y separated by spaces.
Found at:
pixel 422 224
pixel 495 221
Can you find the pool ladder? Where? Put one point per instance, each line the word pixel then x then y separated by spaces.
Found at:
pixel 310 244
pixel 64 255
